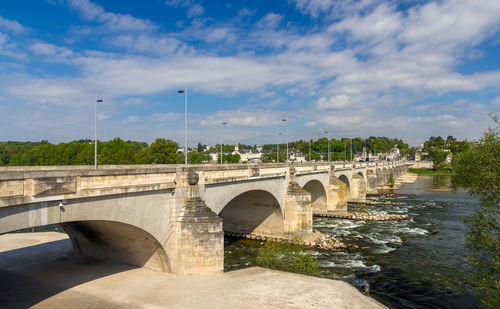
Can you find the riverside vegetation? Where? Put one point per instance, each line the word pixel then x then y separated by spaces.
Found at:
pixel 165 151
pixel 478 171
pixel 291 256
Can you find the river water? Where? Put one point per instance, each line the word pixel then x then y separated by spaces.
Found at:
pixel 420 263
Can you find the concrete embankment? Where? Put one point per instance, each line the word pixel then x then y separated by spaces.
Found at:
pixel 406 177
pixel 37 270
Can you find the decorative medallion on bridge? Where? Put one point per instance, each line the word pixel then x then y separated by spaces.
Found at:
pixel 293 171
pixel 332 167
pixel 193 177
pixel 254 172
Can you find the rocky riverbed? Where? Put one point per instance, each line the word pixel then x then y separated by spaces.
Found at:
pixel 363 216
pixel 372 202
pixel 316 240
pixel 328 242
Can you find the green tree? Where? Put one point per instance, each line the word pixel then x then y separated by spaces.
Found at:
pixel 478 171
pixel 162 151
pixel 314 156
pixel 116 152
pixel 198 157
pixel 229 158
pixel 4 155
pixel 438 158
pixel 391 180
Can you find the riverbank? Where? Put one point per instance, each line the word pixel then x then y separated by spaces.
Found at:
pixel 424 171
pixel 37 269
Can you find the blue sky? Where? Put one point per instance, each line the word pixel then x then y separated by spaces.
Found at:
pixel 407 69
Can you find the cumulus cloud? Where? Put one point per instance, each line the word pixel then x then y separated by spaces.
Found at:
pixel 55 52
pixel 111 21
pixel 194 8
pixel 376 63
pixel 336 102
pixel 11 26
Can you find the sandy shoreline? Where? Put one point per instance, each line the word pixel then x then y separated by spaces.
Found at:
pixel 37 269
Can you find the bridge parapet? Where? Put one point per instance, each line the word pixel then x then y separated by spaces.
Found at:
pixel 20 185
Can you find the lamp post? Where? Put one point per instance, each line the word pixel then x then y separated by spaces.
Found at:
pixel 95 131
pixel 286 121
pixel 185 91
pixel 326 132
pixel 345 152
pixel 277 148
pixel 222 126
pixel 310 150
pixel 351 148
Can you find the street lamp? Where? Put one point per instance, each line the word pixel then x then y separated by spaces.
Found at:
pixel 310 150
pixel 286 121
pixel 351 148
pixel 95 131
pixel 222 126
pixel 277 148
pixel 185 91
pixel 326 132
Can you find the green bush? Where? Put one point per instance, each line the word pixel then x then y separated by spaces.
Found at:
pixel 287 256
pixel 391 180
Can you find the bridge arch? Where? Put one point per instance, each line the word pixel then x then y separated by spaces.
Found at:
pixel 318 194
pixel 344 179
pixel 117 241
pixel 255 211
pixel 361 174
pixel 110 227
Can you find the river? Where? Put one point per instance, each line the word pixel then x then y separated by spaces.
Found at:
pixel 420 263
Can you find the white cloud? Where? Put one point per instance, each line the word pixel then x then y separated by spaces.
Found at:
pixel 242 118
pixel 111 21
pixel 246 12
pixel 11 26
pixel 220 34
pixel 271 20
pixel 195 10
pixel 148 44
pixel 336 102
pixel 55 52
pixel 154 118
pixel 377 64
pixel 381 24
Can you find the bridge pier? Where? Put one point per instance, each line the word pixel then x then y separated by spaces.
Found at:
pixel 337 194
pixel 298 207
pixel 358 188
pixel 199 239
pixel 371 182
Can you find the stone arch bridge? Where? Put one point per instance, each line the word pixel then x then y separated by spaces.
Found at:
pixel 171 218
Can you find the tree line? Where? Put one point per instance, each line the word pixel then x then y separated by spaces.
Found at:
pixel 438 149
pixel 340 149
pixel 165 151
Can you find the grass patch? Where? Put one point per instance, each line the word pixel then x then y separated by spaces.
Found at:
pixel 422 171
